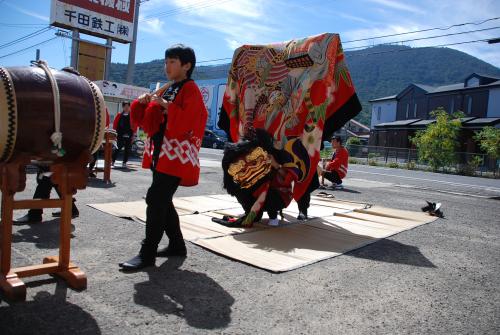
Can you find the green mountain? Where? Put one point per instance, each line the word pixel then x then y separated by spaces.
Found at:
pixel 377 72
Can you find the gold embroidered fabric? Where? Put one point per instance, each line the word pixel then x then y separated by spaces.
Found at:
pixel 251 168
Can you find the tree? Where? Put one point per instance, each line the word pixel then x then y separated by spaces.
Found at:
pixel 489 142
pixel 353 140
pixel 437 144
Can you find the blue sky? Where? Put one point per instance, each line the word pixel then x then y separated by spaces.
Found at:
pixel 215 28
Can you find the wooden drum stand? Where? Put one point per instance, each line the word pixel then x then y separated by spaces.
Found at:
pixel 109 138
pixel 69 177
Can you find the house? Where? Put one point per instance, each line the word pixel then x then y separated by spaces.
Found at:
pixel 383 110
pixel 398 117
pixel 354 128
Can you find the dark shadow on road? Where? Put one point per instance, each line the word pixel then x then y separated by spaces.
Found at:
pixel 45 235
pixel 127 169
pixel 191 295
pixel 47 314
pixel 332 192
pixel 346 190
pixel 99 183
pixel 393 252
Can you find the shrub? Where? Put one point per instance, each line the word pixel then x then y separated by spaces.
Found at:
pixel 353 140
pixel 469 169
pixel 326 153
pixel 411 165
pixel 393 165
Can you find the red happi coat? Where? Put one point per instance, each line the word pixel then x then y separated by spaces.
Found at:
pixel 185 127
pixel 339 162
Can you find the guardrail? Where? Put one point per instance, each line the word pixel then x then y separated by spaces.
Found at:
pixel 466 163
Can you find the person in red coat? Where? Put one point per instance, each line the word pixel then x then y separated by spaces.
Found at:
pixel 124 133
pixel 336 169
pixel 174 119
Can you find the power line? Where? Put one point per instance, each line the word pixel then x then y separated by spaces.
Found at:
pixel 424 30
pixel 26 37
pixel 27 48
pixel 186 9
pixel 173 10
pixel 410 49
pixel 404 41
pixel 424 38
pixel 183 10
pixel 373 53
pixel 22 25
pixel 214 60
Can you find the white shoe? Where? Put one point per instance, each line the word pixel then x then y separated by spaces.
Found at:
pixel 274 222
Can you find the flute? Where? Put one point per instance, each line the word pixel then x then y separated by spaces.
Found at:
pixel 161 89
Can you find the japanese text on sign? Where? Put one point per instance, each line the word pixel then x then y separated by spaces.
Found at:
pixel 104 18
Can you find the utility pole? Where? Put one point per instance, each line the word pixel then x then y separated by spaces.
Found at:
pixel 37 54
pixel 107 65
pixel 132 47
pixel 74 48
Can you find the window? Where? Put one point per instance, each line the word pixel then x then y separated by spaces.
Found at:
pixel 415 111
pixel 452 106
pixel 379 112
pixel 407 111
pixel 472 82
pixel 469 105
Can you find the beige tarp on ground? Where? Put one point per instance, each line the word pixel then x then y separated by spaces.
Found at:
pixel 335 227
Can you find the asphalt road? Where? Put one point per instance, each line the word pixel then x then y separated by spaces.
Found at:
pixel 440 278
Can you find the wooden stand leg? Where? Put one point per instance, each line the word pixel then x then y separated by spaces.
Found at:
pixel 7 210
pixel 108 152
pixel 13 288
pixel 73 275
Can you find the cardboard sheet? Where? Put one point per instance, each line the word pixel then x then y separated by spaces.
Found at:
pixel 335 227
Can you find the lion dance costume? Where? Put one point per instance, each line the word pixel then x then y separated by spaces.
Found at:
pixel 281 102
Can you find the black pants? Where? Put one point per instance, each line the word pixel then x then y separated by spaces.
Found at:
pixel 333 176
pixel 95 158
pixel 161 215
pixel 126 142
pixel 43 188
pixel 305 201
pixel 273 204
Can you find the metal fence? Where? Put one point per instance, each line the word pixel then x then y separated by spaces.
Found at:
pixel 466 163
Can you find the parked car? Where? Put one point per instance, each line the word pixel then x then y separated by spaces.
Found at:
pixel 212 140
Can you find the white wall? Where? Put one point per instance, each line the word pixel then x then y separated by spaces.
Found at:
pixel 387 113
pixel 494 103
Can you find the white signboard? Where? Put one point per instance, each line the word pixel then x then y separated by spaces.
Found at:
pixel 123 91
pixel 207 92
pixel 103 18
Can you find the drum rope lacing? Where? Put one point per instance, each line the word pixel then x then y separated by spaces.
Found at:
pixel 56 136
